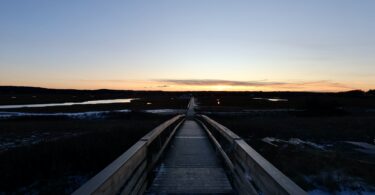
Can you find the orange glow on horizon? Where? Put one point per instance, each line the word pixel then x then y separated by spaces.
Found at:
pixel 163 86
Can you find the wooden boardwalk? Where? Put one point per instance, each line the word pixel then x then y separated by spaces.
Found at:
pixel 191 165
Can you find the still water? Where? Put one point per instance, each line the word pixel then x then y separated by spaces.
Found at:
pixel 127 100
pixel 272 99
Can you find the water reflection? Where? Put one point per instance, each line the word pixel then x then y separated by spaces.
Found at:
pixel 272 99
pixel 127 100
pixel 75 115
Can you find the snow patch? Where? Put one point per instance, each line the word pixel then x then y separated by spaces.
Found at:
pixel 346 184
pixel 364 147
pixel 292 141
pixel 269 140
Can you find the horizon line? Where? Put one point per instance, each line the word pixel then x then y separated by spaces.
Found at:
pixel 238 91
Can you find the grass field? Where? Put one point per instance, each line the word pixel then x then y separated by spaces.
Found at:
pixel 303 134
pixel 309 145
pixel 59 164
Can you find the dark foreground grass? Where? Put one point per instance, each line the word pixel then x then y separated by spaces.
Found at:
pixel 344 128
pixel 294 100
pixel 329 170
pixel 60 166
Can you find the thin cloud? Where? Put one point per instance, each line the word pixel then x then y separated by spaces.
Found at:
pixel 163 86
pixel 104 80
pixel 263 83
pixel 175 84
pixel 326 83
pixel 213 82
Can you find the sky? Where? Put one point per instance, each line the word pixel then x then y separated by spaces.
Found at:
pixel 174 45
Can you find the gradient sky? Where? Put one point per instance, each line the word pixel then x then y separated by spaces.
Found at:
pixel 313 45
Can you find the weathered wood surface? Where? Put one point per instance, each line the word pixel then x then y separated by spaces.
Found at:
pixel 191 165
pixel 128 173
pixel 250 172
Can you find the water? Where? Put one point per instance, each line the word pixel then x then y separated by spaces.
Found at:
pixel 75 115
pixel 127 100
pixel 272 99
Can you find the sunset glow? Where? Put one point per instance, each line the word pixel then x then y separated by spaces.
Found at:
pixel 189 45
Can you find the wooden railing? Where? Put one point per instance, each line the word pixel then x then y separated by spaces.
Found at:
pixel 249 172
pixel 129 173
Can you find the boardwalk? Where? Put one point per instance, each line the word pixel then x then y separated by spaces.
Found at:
pixel 190 113
pixel 191 165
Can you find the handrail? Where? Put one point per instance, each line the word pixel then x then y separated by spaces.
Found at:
pixel 250 172
pixel 128 173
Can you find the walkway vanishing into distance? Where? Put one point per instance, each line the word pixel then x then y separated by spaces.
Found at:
pixel 191 165
pixel 190 154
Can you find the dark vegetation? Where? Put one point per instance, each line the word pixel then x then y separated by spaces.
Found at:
pixel 152 102
pixel 325 119
pixel 318 104
pixel 62 165
pixel 75 150
pixel 335 128
pixel 32 95
pixel 330 170
pixel 10 95
pixel 57 154
pixel 340 162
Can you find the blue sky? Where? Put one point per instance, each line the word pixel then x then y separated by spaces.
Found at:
pixel 159 44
